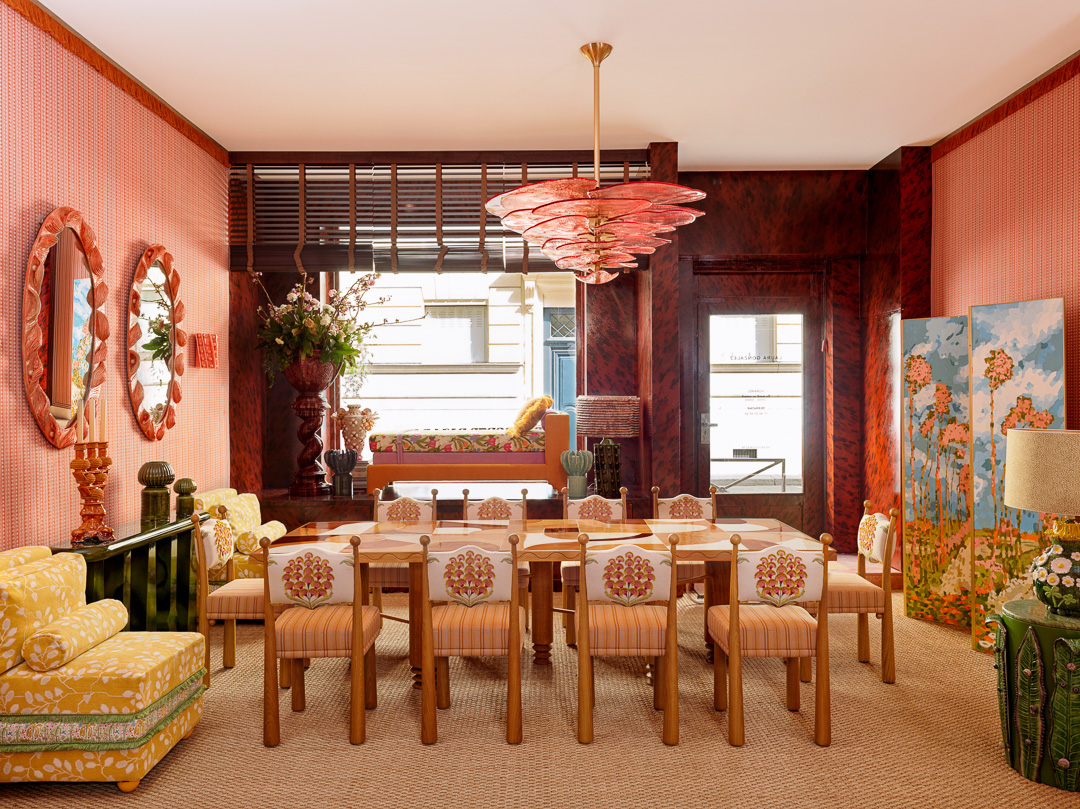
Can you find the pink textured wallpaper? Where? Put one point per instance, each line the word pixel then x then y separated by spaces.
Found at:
pixel 70 137
pixel 1006 218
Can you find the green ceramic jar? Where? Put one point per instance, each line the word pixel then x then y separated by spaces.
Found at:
pixel 1056 576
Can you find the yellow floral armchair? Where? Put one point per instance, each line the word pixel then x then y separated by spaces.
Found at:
pixel 244 515
pixel 81 700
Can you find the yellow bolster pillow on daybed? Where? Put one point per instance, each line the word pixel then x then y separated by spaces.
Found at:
pixel 529 416
pixel 66 638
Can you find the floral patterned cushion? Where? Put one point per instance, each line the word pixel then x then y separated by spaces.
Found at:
pixel 780 575
pixel 244 512
pixel 24 555
pixel 81 629
pixel 628 575
pixel 217 543
pixel 494 508
pixel 310 577
pixel 457 441
pixel 873 533
pixel 248 541
pixel 127 673
pixel 684 507
pixel 470 575
pixel 404 509
pixel 211 499
pixel 34 595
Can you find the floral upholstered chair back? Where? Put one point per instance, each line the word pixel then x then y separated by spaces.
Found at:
pixel 216 544
pixel 470 576
pixel 876 535
pixel 311 576
pixel 682 507
pixel 495 508
pixel 595 507
pixel 780 575
pixel 628 575
pixel 404 509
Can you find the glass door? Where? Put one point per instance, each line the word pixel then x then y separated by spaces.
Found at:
pixel 760 396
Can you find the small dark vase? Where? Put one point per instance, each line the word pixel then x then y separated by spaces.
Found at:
pixel 342 462
pixel 310 376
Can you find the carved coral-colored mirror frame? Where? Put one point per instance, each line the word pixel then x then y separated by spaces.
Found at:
pixel 155 431
pixel 33 368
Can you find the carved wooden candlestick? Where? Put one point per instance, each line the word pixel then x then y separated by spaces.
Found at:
pixel 310 377
pixel 91 471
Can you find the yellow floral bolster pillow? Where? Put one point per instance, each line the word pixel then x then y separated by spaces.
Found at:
pixel 65 639
pixel 530 414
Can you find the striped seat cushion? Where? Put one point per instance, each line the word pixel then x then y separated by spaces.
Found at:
pixel 459 631
pixel 323 631
pixel 850 592
pixel 767 631
pixel 627 631
pixel 687 570
pixel 240 598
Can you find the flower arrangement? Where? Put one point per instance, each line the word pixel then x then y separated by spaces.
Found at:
pixel 304 326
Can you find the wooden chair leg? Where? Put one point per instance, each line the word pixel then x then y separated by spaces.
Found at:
pixel 658 685
pixel 863 637
pixel 371 686
pixel 299 699
pixel 513 697
pixel 888 653
pixel 585 704
pixel 442 682
pixel 736 732
pixel 378 598
pixel 719 679
pixel 792 664
pixel 806 669
pixel 285 677
pixel 570 603
pixel 228 654
pixel 523 599
pixel 670 675
pixel 271 715
pixel 357 702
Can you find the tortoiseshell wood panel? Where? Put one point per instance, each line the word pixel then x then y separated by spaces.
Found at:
pixel 247 388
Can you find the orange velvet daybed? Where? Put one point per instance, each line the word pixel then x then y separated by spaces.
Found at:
pixel 473 455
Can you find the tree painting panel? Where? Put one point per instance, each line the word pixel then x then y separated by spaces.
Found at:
pixel 936 469
pixel 1018 380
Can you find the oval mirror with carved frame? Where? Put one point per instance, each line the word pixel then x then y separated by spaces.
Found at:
pixel 155 358
pixel 65 329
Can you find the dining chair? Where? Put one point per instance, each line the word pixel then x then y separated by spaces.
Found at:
pixel 324 618
pixel 765 619
pixel 630 622
pixel 237 599
pixel 685 507
pixel 403 509
pixel 481 617
pixel 853 593
pixel 593 507
pixel 496 508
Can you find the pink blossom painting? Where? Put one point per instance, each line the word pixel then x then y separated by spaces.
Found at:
pixel 1017 380
pixel 936 433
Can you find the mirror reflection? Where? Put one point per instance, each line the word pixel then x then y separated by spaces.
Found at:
pixel 67 341
pixel 155 346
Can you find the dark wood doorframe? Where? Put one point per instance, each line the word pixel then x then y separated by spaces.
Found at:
pixel 787 289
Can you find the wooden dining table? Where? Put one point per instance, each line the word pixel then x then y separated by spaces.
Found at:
pixel 543 544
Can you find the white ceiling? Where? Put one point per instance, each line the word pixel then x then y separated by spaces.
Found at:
pixel 739 84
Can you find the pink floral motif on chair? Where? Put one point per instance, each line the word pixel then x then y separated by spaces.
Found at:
pixel 495 508
pixel 685 507
pixel 628 579
pixel 308 580
pixel 220 542
pixel 469 578
pixel 403 510
pixel 780 578
pixel 595 508
pixel 867 530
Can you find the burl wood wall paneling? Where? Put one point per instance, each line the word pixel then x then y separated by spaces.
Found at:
pixel 247 387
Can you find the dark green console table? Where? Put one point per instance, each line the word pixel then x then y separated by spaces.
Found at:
pixel 1037 657
pixel 149 571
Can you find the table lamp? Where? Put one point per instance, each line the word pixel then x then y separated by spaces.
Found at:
pixel 608 417
pixel 1042 473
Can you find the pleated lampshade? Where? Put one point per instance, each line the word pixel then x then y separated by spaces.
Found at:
pixel 608 416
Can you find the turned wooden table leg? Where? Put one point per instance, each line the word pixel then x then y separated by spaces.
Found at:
pixel 416 570
pixel 543 629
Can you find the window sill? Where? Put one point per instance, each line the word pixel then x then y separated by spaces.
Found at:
pixel 463 368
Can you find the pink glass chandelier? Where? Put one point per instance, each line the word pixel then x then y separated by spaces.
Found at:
pixel 594 231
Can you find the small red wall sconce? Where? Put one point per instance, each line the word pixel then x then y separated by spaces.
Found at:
pixel 206 353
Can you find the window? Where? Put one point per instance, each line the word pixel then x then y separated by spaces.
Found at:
pixel 455 333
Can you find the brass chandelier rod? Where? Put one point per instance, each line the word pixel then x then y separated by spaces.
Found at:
pixel 596 52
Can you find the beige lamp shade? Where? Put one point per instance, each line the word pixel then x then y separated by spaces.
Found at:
pixel 608 416
pixel 1042 471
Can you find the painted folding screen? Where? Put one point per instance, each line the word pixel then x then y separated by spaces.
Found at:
pixel 1018 380
pixel 936 469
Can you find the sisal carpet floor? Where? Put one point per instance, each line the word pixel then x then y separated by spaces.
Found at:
pixel 930 740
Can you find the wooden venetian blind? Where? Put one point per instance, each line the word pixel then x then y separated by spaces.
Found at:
pixel 387 217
